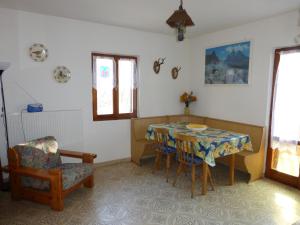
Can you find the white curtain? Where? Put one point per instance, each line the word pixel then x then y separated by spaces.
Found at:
pixel 98 57
pixel 135 74
pixel 133 70
pixel 286 111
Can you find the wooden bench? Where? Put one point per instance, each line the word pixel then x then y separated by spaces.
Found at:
pixel 140 147
pixel 246 161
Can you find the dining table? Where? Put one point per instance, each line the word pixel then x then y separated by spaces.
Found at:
pixel 211 144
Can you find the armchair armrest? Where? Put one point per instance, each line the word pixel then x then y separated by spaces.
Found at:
pixel 86 157
pixel 37 173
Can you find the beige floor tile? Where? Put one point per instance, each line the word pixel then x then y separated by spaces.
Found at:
pixel 126 194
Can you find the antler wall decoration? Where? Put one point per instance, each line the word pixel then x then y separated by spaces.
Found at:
pixel 175 71
pixel 157 64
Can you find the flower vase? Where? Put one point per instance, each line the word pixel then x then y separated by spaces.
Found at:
pixel 186 111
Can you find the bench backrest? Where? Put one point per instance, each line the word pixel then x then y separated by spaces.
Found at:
pixel 139 125
pixel 256 133
pixel 184 118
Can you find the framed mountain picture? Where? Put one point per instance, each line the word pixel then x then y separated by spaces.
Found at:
pixel 228 64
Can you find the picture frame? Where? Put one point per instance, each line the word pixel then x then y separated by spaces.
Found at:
pixel 228 64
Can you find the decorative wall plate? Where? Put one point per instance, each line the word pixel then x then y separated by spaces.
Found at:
pixel 38 52
pixel 62 74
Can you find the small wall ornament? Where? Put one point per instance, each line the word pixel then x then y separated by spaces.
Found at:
pixel 175 72
pixel 38 52
pixel 157 64
pixel 62 74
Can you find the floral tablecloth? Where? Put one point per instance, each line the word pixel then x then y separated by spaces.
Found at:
pixel 213 143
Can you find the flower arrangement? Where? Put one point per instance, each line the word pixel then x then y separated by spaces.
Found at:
pixel 187 98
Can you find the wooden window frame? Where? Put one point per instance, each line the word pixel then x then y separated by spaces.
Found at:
pixel 270 172
pixel 116 115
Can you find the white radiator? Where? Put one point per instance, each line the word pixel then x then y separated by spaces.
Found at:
pixel 65 126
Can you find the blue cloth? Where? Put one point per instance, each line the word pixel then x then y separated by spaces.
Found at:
pixel 213 143
pixel 167 149
pixel 197 160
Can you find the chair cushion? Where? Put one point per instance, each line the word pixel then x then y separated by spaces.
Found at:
pixel 73 173
pixel 37 159
pixel 167 149
pixel 46 144
pixel 197 160
pixel 40 153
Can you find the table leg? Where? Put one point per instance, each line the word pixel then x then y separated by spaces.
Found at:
pixel 168 165
pixel 231 169
pixel 193 180
pixel 204 177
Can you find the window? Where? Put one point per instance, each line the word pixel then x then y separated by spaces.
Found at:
pixel 114 87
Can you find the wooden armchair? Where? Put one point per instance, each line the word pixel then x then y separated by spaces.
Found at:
pixel 41 177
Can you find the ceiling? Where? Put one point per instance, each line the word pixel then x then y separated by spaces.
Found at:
pixel 151 15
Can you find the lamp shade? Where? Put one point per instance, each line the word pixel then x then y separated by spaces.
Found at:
pixel 180 17
pixel 4 66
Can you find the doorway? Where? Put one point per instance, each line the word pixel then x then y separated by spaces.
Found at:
pixel 283 153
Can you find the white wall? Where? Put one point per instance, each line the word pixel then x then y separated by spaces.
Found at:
pixel 249 103
pixel 8 53
pixel 70 43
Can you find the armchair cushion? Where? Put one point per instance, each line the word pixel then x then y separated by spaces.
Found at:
pixel 40 153
pixel 73 173
pixel 46 144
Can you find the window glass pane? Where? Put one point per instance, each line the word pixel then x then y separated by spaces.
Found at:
pixel 105 85
pixel 126 78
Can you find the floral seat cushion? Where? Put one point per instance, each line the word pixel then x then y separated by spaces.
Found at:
pixel 73 173
pixel 46 144
pixel 41 153
pixel 192 159
pixel 167 149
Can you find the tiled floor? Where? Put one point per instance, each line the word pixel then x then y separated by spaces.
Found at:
pixel 128 194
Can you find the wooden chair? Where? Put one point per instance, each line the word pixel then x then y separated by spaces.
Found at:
pixel 187 158
pixel 33 178
pixel 161 138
